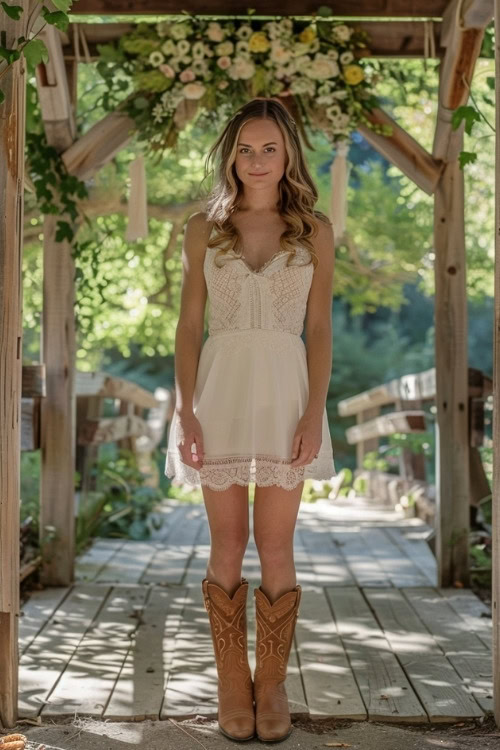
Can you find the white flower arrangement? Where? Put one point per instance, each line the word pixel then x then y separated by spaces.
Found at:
pixel 214 63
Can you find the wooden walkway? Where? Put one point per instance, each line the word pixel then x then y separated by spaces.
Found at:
pixel 375 638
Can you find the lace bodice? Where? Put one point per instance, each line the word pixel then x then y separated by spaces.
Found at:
pixel 271 297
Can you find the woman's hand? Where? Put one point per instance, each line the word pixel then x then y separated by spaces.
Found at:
pixel 188 432
pixel 307 439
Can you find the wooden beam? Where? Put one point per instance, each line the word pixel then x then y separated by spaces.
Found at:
pixel 495 589
pixel 340 8
pixel 99 144
pixel 401 39
pixel 54 94
pixel 110 386
pixel 461 36
pixel 403 151
pixel 387 424
pixel 452 436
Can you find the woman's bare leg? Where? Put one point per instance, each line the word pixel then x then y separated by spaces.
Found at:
pixel 275 514
pixel 227 512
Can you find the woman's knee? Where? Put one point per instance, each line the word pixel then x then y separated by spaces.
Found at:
pixel 274 550
pixel 229 541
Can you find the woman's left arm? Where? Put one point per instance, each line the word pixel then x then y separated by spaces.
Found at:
pixel 318 329
pixel 318 325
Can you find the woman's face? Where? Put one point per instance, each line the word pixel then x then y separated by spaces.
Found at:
pixel 260 154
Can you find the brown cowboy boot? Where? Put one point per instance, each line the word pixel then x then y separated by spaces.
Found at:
pixel 275 628
pixel 228 623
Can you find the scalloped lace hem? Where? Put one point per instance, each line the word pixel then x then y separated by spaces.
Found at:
pixel 221 473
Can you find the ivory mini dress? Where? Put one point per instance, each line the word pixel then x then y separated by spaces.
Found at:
pixel 252 383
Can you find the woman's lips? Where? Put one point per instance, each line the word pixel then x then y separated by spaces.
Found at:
pixel 257 174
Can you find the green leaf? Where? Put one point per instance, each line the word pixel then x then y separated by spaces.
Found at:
pixel 2 96
pixel 490 80
pixel 11 55
pixel 110 53
pixel 324 10
pixel 63 5
pixel 13 11
pixel 467 113
pixel 35 52
pixel 466 157
pixel 64 232
pixel 58 19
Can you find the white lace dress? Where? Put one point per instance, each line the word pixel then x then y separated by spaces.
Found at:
pixel 252 381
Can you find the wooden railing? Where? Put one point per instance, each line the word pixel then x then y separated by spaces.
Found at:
pixel 407 396
pixel 128 426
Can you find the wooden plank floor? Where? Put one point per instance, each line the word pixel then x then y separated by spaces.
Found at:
pixel 375 638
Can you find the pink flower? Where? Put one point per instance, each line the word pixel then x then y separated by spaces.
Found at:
pixel 187 75
pixel 224 62
pixel 167 70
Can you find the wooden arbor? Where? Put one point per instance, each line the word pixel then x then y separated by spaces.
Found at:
pixel 457 33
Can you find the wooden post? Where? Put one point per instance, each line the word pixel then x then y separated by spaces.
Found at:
pixel 452 443
pixel 495 594
pixel 58 414
pixel 12 126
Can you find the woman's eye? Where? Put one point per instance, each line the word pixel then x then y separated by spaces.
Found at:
pixel 245 149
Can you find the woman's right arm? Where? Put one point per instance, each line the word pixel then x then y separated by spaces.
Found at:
pixel 189 335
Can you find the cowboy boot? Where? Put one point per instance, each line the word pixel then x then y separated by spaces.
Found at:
pixel 275 628
pixel 228 624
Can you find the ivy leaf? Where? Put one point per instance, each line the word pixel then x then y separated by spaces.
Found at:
pixel 64 231
pixel 58 19
pixel 35 52
pixel 63 5
pixel 469 114
pixel 13 11
pixel 466 157
pixel 9 54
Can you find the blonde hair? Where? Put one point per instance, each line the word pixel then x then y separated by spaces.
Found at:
pixel 297 191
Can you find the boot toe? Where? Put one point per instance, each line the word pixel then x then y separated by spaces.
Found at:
pixel 273 728
pixel 239 727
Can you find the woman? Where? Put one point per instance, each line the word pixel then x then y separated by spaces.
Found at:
pixel 250 401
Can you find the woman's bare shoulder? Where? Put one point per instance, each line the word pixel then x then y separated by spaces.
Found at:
pixel 198 225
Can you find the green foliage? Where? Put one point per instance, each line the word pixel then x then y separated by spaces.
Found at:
pixel 13 11
pixel 466 113
pixel 35 52
pixel 33 49
pixel 122 503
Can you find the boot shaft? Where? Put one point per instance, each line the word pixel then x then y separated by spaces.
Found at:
pixel 275 629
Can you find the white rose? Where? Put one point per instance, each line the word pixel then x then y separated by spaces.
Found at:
pixel 273 29
pixel 215 32
pixel 198 50
pixel 224 48
pixel 320 69
pixel 333 54
pixel 279 54
pixel 241 68
pixel 194 90
pixel 342 32
pixel 299 49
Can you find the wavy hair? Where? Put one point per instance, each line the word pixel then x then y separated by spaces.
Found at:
pixel 297 191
